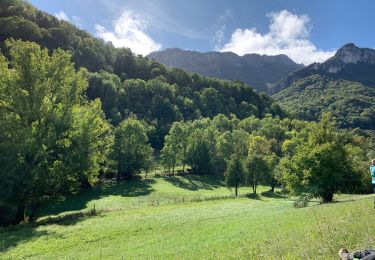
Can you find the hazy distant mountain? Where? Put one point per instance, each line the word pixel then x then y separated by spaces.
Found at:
pixel 343 85
pixel 259 71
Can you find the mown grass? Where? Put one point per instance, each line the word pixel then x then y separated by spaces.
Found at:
pixel 221 227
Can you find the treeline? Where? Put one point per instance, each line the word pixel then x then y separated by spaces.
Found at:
pixel 175 96
pixel 310 158
pixel 133 85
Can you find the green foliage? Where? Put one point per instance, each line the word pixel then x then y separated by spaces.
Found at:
pixel 47 128
pixel 175 146
pixel 198 153
pixel 263 143
pixel 352 103
pixel 257 166
pixel 320 163
pixel 234 175
pixel 131 150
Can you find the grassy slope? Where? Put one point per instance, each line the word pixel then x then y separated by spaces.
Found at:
pixel 173 228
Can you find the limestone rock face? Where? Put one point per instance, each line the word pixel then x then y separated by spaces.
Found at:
pixel 349 62
pixel 350 53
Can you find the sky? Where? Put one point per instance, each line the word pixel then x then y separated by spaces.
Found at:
pixel 305 30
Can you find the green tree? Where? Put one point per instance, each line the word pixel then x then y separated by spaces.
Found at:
pixel 322 165
pixel 132 151
pixel 184 141
pixel 171 149
pixel 257 167
pixel 234 175
pixel 198 153
pixel 175 146
pixel 46 125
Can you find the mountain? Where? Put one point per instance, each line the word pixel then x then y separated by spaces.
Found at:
pixel 349 62
pixel 259 71
pixel 343 85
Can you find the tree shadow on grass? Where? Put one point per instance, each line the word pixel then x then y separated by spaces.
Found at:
pixel 11 237
pixel 195 182
pixel 78 202
pixel 271 194
pixel 254 196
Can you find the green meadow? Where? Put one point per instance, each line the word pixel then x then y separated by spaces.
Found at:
pixel 190 218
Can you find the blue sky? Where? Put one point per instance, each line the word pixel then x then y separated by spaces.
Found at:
pixel 306 31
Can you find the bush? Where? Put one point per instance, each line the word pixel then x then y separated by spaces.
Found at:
pixel 302 201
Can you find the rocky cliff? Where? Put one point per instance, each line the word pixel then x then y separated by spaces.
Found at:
pixel 350 63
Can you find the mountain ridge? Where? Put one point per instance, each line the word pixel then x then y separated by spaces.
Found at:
pixel 343 85
pixel 349 62
pixel 259 71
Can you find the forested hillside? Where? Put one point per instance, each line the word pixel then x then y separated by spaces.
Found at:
pixel 344 85
pixel 259 71
pixel 352 103
pixel 133 85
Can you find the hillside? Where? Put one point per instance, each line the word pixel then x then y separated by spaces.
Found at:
pixel 352 103
pixel 190 218
pixel 343 85
pixel 259 71
pixel 349 63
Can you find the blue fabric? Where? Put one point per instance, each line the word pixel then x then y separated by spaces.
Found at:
pixel 372 169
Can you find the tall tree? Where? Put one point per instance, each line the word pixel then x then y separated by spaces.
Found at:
pixel 234 175
pixel 257 164
pixel 198 153
pixel 175 146
pixel 46 125
pixel 321 165
pixel 132 151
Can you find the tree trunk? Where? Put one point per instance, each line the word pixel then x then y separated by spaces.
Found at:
pixel 183 166
pixel 20 216
pixel 173 170
pixel 236 192
pixel 327 197
pixel 118 176
pixel 34 209
pixel 273 184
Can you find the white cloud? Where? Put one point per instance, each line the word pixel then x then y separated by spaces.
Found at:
pixel 288 34
pixel 129 32
pixel 62 16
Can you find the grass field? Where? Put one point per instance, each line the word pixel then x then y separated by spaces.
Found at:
pixel 190 218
